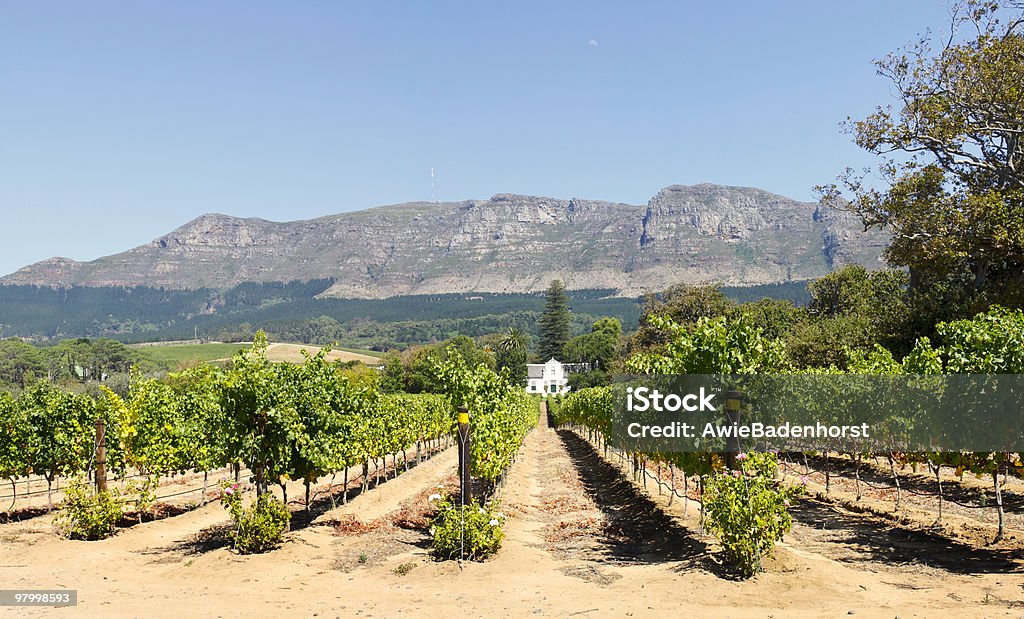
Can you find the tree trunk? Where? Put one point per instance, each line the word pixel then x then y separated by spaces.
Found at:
pixel 262 487
pixel 856 474
pixel 344 494
pixel 307 496
pixel 686 493
pixel 700 493
pixel 828 474
pixel 672 484
pixel 980 274
pixel 896 478
pixel 999 506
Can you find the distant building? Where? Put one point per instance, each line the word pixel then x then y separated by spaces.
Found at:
pixel 546 378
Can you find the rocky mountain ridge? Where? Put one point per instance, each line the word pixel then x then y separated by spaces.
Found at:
pixel 508 243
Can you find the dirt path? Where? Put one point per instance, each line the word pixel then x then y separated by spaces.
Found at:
pixel 832 562
pixel 390 496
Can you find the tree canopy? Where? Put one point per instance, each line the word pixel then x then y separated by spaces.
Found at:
pixel 952 153
pixel 554 322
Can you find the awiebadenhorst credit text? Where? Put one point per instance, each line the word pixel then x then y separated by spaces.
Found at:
pixel 644 399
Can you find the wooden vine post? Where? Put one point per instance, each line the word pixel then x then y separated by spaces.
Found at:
pixel 733 404
pixel 101 456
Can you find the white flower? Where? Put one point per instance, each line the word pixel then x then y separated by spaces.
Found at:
pixel 481 510
pixel 433 530
pixel 434 497
pixel 493 522
pixel 501 515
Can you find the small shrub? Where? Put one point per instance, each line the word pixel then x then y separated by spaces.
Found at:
pixel 89 516
pixel 144 492
pixel 747 511
pixel 258 528
pixel 404 568
pixel 472 533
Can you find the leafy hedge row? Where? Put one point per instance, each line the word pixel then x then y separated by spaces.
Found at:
pixel 281 421
pixel 501 414
pixel 991 343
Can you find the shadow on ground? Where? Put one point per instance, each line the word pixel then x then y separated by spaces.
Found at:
pixel 637 530
pixel 216 536
pixel 24 513
pixel 854 538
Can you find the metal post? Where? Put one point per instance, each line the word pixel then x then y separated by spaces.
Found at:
pixel 465 492
pixel 733 403
pixel 101 456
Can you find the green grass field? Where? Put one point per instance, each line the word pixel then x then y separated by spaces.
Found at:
pixel 182 353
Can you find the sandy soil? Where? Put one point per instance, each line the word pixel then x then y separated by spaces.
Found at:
pixel 583 540
pixel 292 353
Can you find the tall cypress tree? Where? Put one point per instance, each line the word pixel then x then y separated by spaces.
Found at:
pixel 554 322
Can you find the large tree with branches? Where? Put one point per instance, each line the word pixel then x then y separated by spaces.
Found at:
pixel 952 150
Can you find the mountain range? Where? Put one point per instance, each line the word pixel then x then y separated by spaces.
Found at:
pixel 508 243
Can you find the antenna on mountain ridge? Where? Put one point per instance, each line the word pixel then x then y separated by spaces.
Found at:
pixel 432 185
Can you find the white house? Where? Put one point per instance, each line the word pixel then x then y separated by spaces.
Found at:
pixel 546 378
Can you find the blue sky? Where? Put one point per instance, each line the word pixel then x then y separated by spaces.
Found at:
pixel 120 121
